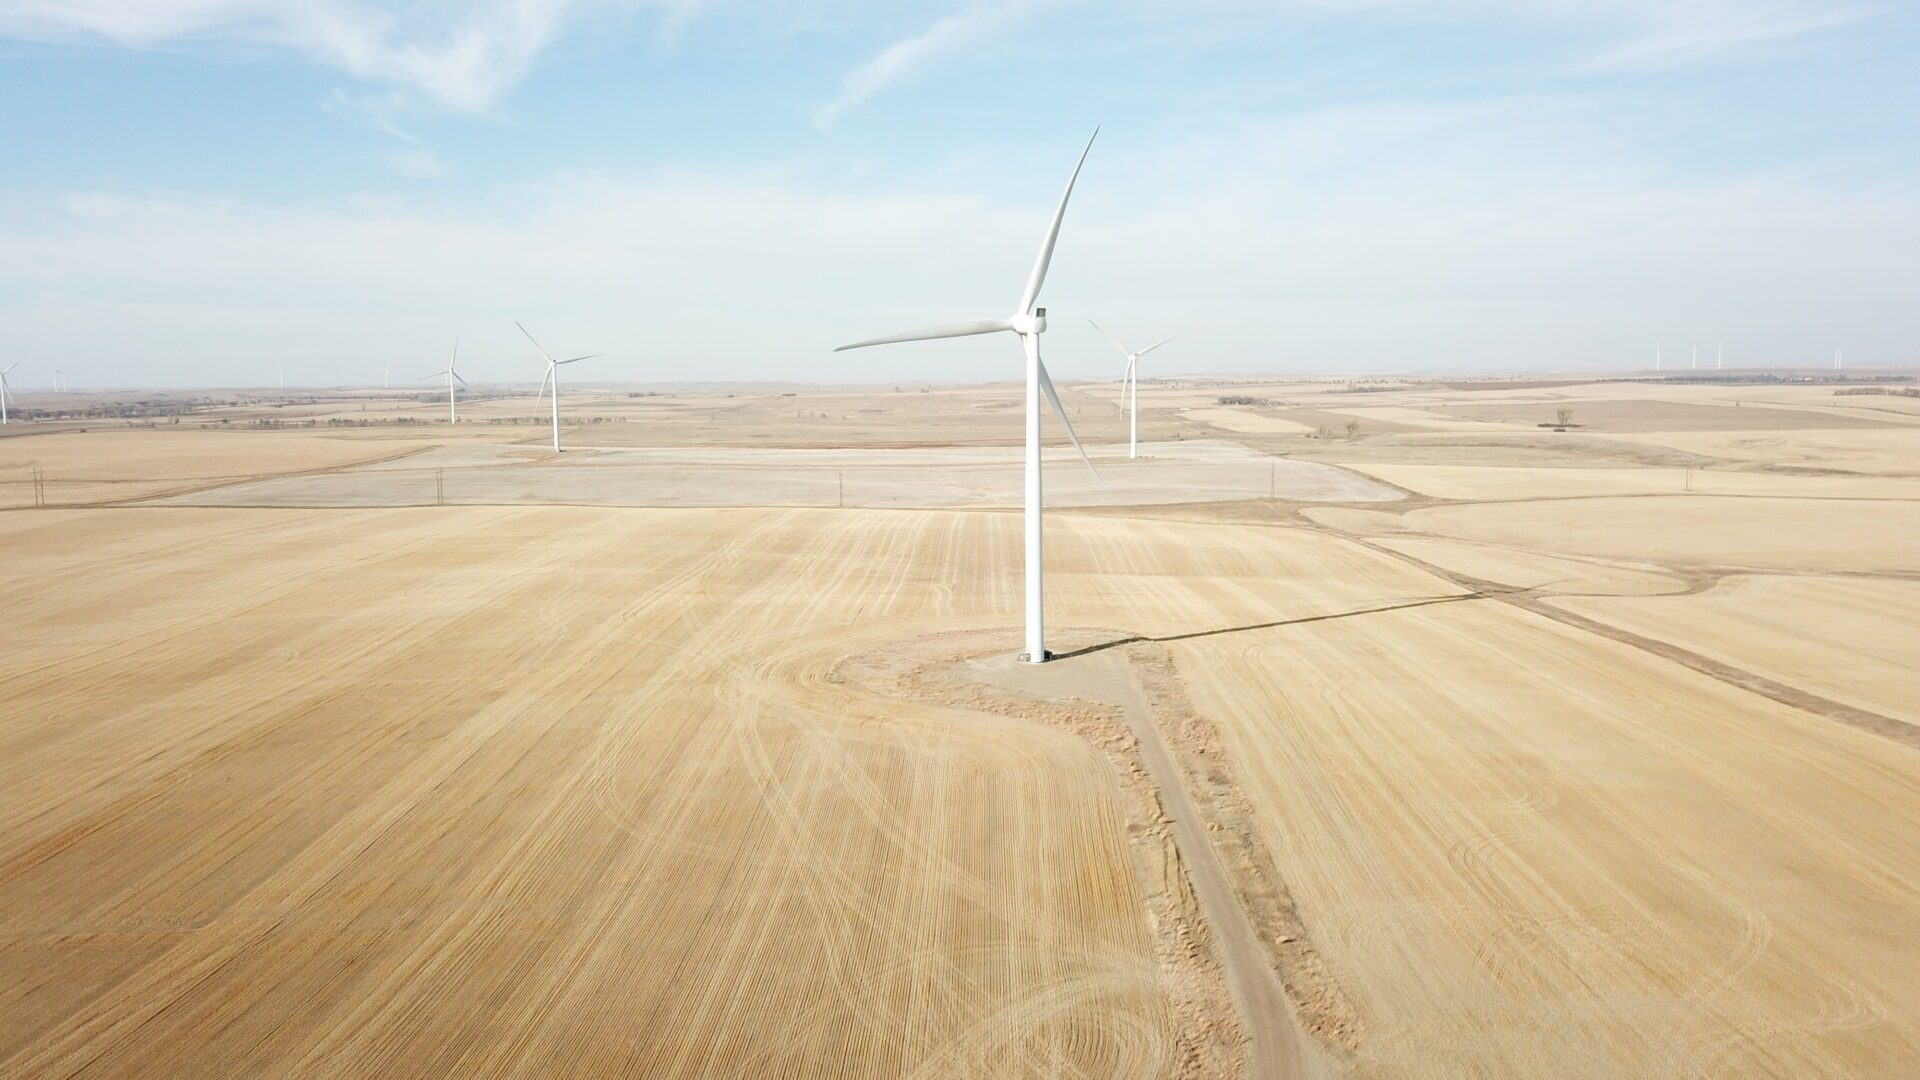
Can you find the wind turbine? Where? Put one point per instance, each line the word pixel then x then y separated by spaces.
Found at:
pixel 1719 357
pixel 59 381
pixel 1696 358
pixel 1839 362
pixel 452 416
pixel 553 379
pixel 1132 387
pixel 4 391
pixel 386 375
pixel 1029 322
pixel 1658 357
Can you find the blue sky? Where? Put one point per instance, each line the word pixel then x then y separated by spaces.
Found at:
pixel 194 189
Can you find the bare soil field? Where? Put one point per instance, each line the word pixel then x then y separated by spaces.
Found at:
pixel 1776 533
pixel 1849 639
pixel 1176 472
pixel 1477 750
pixel 1637 415
pixel 113 465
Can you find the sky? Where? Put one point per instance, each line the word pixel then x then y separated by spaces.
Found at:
pixel 194 192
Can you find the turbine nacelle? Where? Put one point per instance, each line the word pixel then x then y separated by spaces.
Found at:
pixel 1035 323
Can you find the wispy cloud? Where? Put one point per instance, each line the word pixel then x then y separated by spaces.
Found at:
pixel 1682 34
pixel 902 57
pixel 456 55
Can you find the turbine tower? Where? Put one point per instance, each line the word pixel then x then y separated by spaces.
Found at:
pixel 1696 358
pixel 1659 358
pixel 1719 357
pixel 452 416
pixel 5 390
pixel 553 379
pixel 1839 362
pixel 59 381
pixel 1029 322
pixel 1132 386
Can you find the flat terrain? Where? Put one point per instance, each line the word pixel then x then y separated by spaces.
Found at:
pixel 1520 753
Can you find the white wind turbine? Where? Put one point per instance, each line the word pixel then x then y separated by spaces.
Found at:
pixel 452 416
pixel 553 379
pixel 1132 385
pixel 5 391
pixel 59 381
pixel 1659 357
pixel 1029 322
pixel 1839 361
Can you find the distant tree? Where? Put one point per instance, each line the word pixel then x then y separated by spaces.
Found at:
pixel 1353 429
pixel 1323 432
pixel 1565 416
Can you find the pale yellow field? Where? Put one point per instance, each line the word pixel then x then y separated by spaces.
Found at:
pixel 1795 534
pixel 614 791
pixel 1245 421
pixel 110 464
pixel 1853 640
pixel 1482 483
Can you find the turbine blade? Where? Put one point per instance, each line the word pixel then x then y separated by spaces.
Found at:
pixel 945 330
pixel 1156 345
pixel 463 382
pixel 536 344
pixel 435 375
pixel 577 359
pixel 1039 275
pixel 1046 387
pixel 547 378
pixel 1111 340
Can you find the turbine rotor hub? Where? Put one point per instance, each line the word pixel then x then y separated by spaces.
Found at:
pixel 1035 323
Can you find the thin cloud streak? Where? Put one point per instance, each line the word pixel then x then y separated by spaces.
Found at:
pixel 903 57
pixel 462 56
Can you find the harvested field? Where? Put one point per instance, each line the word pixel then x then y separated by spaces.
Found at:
pixel 1575 774
pixel 1639 414
pixel 1245 421
pixel 116 464
pixel 1531 570
pixel 1780 628
pixel 1785 534
pixel 357 792
pixel 1525 851
pixel 1505 483
pixel 1178 472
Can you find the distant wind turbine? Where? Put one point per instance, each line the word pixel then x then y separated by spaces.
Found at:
pixel 553 380
pixel 59 381
pixel 1659 359
pixel 1719 357
pixel 1029 322
pixel 386 375
pixel 1132 386
pixel 1696 358
pixel 1839 362
pixel 452 416
pixel 5 391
